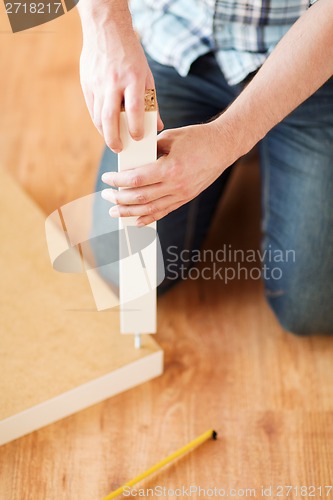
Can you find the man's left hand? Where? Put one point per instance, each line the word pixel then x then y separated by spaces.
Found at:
pixel 190 159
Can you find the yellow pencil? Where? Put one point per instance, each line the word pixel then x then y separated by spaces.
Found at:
pixel 196 442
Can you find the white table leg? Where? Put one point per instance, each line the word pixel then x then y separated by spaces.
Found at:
pixel 137 246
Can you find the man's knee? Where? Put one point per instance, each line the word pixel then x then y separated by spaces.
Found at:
pixel 301 293
pixel 299 316
pixel 290 320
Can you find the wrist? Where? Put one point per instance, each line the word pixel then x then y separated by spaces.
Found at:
pixel 95 14
pixel 228 141
pixel 236 130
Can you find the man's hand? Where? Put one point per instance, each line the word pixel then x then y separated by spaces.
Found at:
pixel 193 157
pixel 190 159
pixel 113 68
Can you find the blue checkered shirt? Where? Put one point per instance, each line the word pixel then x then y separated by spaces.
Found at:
pixel 242 33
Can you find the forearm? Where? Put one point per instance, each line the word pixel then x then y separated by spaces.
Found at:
pixel 113 69
pixel 103 13
pixel 300 64
pixel 191 158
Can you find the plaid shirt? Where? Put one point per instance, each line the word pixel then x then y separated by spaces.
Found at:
pixel 242 33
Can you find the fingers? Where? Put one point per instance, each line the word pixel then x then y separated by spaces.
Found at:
pixel 110 121
pixel 135 108
pixel 151 209
pixel 152 173
pixel 164 143
pixel 106 115
pixel 150 84
pixel 108 77
pixel 134 197
pixel 160 124
pixel 148 219
pixel 97 110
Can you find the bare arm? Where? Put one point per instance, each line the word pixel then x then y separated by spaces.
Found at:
pixel 113 67
pixel 299 65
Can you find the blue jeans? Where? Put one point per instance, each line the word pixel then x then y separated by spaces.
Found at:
pixel 297 193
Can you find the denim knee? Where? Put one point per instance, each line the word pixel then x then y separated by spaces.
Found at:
pixel 290 320
pixel 298 313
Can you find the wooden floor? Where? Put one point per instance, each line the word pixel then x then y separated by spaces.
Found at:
pixel 228 363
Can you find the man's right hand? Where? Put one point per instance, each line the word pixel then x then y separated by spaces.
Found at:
pixel 113 68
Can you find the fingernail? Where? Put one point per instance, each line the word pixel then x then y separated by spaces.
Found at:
pixel 106 177
pixel 140 224
pixel 137 137
pixel 114 211
pixel 117 148
pixel 107 195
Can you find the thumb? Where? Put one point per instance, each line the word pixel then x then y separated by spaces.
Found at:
pixel 160 124
pixel 164 143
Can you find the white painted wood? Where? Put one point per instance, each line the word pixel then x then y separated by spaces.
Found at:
pixel 81 397
pixel 58 355
pixel 138 274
